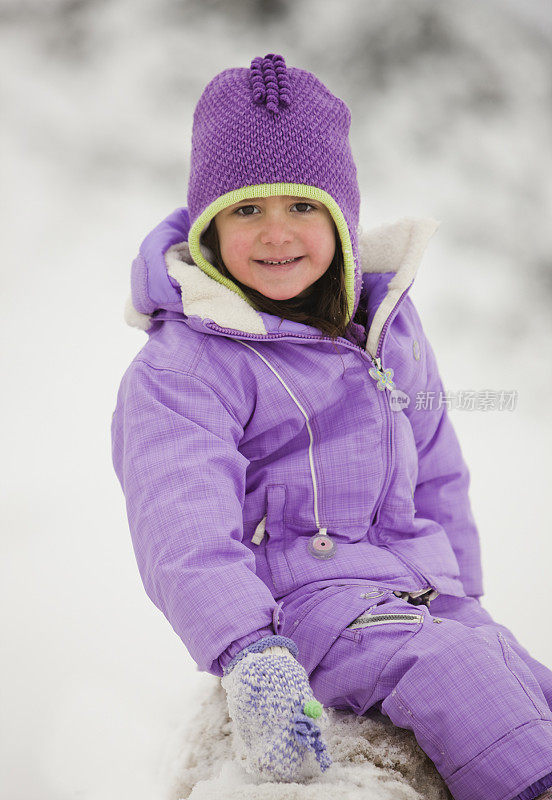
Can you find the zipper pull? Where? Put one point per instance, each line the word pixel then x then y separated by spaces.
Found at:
pixel 321 545
pixel 381 375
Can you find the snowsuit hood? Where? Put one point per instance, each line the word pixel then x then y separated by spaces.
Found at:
pixel 164 276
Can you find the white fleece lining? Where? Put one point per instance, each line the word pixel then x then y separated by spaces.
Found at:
pixel 395 247
pixel 135 318
pixel 205 297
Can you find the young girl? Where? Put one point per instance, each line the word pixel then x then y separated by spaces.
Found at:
pixel 296 494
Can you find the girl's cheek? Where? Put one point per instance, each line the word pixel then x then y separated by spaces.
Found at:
pixel 324 235
pixel 236 251
pixel 243 248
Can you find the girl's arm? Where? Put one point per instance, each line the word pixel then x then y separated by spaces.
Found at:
pixel 175 452
pixel 441 492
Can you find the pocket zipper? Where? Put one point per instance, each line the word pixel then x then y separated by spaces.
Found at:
pixel 384 619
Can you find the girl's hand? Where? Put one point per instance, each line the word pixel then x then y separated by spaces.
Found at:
pixel 276 716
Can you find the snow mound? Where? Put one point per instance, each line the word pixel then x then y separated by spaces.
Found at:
pixel 372 760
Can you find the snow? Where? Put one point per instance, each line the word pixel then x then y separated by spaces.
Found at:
pixel 451 119
pixel 372 760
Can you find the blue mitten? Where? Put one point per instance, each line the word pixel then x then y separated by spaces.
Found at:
pixel 274 711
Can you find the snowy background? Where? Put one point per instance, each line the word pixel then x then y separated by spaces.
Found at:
pixel 451 106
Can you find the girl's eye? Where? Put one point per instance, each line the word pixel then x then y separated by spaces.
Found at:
pixel 242 208
pixel 306 204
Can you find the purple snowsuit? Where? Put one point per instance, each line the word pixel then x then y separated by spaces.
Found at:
pixel 273 487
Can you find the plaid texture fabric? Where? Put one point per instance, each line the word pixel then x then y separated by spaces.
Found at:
pixel 534 791
pixel 207 442
pixel 459 680
pixel 235 451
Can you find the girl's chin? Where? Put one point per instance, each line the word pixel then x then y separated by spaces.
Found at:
pixel 283 292
pixel 278 295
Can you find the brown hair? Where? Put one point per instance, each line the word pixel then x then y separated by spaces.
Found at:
pixel 322 305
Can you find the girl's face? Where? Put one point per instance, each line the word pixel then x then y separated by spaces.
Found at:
pixel 276 228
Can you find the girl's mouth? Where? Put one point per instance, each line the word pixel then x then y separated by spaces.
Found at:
pixel 285 266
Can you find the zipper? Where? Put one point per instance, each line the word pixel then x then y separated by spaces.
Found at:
pixel 390 317
pixel 271 336
pixel 384 619
pixel 390 457
pixel 380 371
pixel 377 360
pixel 375 520
pixel 320 544
pixel 387 383
pixel 390 460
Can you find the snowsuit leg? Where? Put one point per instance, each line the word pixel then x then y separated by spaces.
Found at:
pixel 473 704
pixel 469 612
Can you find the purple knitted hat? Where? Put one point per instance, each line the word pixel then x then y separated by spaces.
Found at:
pixel 273 130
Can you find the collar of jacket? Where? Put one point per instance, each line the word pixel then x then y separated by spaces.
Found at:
pixel 164 276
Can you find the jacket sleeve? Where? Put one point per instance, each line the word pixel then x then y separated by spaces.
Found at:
pixel 441 492
pixel 175 453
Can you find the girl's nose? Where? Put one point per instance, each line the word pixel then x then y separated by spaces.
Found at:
pixel 276 232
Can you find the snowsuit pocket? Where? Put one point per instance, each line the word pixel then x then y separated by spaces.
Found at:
pixel 349 675
pixel 278 564
pixel 324 617
pixel 379 634
pixel 369 620
pixel 525 677
pixel 374 597
pixel 385 619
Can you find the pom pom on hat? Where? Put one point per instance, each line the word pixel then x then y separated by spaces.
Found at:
pixel 270 82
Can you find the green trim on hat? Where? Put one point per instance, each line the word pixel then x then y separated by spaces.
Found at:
pixel 268 190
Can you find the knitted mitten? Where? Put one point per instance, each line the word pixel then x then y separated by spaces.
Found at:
pixel 274 710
